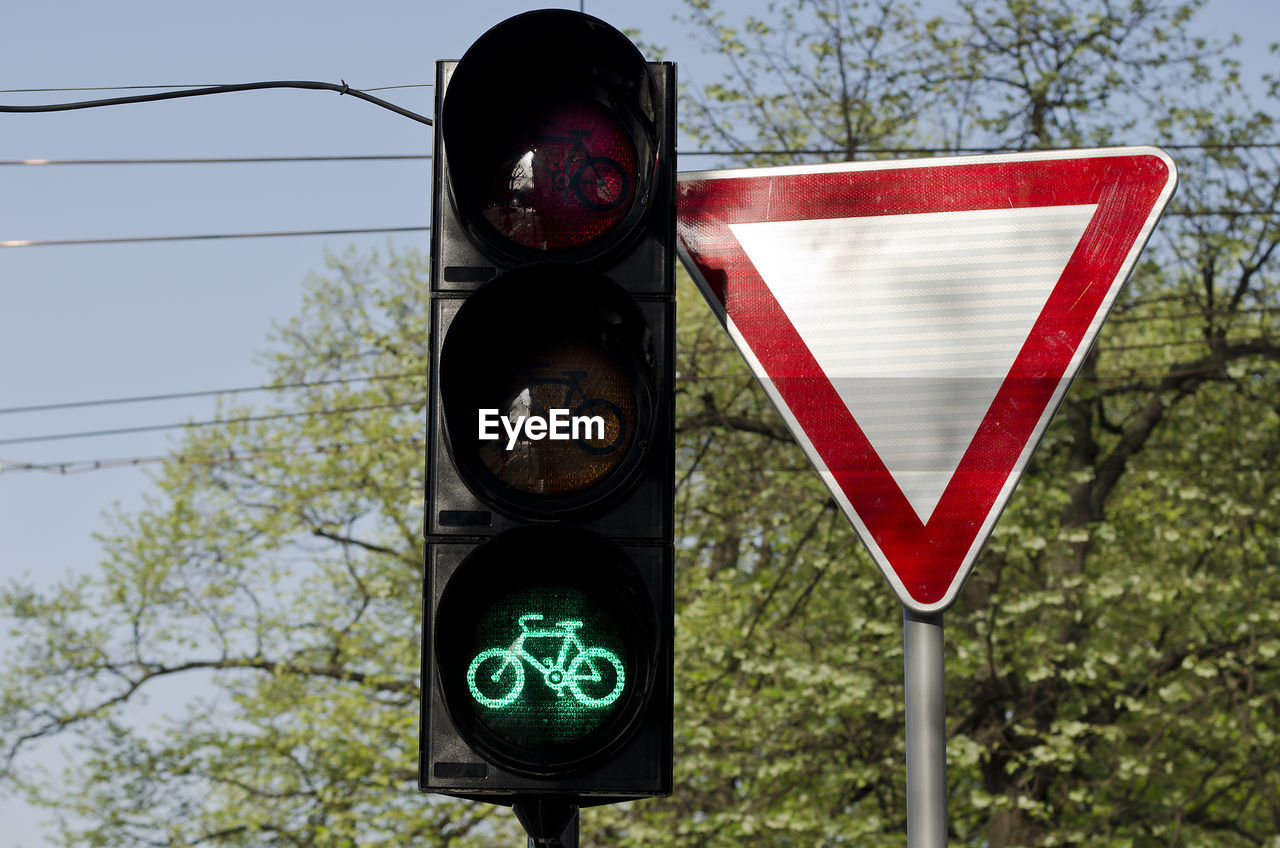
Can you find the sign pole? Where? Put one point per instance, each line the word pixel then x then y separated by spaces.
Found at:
pixel 926 730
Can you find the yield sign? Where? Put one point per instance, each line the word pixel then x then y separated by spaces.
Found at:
pixel 917 323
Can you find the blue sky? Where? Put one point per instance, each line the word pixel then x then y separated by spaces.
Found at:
pixel 122 320
pixel 83 323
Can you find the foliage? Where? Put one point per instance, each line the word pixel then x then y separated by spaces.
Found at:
pixel 281 561
pixel 1112 664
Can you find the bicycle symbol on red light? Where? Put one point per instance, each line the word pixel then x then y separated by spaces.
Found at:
pixel 599 183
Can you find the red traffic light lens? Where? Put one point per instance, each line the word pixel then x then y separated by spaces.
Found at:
pixel 561 180
pixel 548 139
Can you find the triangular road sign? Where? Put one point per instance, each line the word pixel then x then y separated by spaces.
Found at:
pixel 917 323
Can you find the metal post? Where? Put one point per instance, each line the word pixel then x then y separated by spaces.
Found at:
pixel 926 731
pixel 550 821
pixel 569 839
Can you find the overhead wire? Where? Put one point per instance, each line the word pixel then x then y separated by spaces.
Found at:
pixel 79 466
pixel 302 384
pixel 223 160
pixel 67 467
pixel 236 160
pixel 187 425
pixel 172 85
pixel 209 236
pixel 342 89
pixel 76 466
pixel 173 92
pixel 364 157
pixel 12 243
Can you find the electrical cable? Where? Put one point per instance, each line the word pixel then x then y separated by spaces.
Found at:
pixel 207 236
pixel 220 89
pixel 80 404
pixel 962 151
pixel 77 466
pixel 362 94
pixel 181 85
pixel 223 160
pixel 1171 213
pixel 84 404
pixel 358 157
pixel 247 419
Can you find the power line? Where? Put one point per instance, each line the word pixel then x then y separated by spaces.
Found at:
pixel 960 151
pixel 1174 213
pixel 359 157
pixel 175 91
pixel 224 160
pixel 247 419
pixel 78 466
pixel 207 236
pixel 183 85
pixel 221 89
pixel 105 88
pixel 83 404
pixel 79 404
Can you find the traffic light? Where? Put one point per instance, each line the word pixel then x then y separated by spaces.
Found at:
pixel 547 645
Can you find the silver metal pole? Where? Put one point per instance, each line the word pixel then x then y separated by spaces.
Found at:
pixel 926 731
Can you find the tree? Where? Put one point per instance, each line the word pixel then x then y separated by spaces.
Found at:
pixel 281 560
pixel 1112 660
pixel 1112 664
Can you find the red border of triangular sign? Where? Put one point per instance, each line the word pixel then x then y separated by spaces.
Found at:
pixel 926 563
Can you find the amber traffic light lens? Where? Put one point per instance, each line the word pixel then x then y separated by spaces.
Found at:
pixel 561 179
pixel 561 418
pixel 546 380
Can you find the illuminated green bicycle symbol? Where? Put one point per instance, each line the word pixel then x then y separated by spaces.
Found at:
pixel 501 670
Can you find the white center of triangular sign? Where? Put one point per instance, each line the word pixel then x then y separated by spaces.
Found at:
pixel 916 319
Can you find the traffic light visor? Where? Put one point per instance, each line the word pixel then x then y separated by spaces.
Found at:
pixel 548 126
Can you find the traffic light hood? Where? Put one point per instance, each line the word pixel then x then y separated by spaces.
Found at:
pixel 549 127
pixel 524 57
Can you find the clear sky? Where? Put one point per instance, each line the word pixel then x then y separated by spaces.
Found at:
pixel 82 323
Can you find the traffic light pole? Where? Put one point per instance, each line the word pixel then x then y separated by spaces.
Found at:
pixel 926 730
pixel 551 822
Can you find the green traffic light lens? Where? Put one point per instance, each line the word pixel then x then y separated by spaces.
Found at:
pixel 546 643
pixel 547 665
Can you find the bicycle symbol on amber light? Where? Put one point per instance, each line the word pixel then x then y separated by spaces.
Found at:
pixel 613 424
pixel 496 676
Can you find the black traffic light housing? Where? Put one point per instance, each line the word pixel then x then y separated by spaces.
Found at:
pixel 547 649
